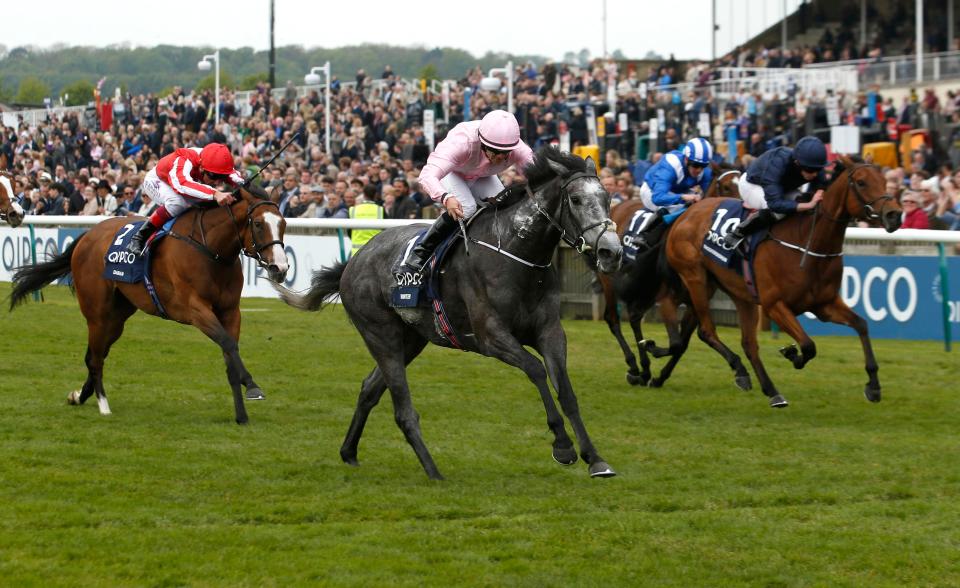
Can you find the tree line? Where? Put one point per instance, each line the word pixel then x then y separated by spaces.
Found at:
pixel 28 75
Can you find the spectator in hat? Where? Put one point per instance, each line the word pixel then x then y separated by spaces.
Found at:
pixel 105 195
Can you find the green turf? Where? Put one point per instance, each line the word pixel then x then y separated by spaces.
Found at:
pixel 714 487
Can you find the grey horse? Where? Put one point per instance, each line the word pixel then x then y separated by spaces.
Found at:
pixel 500 293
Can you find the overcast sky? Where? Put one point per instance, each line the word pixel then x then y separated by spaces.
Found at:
pixel 548 28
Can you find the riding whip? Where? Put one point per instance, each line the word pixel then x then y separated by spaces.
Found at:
pixel 463 231
pixel 276 155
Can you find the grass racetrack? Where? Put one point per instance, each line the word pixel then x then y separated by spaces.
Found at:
pixel 714 487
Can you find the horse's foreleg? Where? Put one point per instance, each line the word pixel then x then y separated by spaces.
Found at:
pixel 749 314
pixel 612 316
pixel 838 312
pixel 230 319
pixel 205 320
pixel 552 343
pixel 503 346
pixel 678 346
pixel 700 300
pixel 788 323
pixel 635 313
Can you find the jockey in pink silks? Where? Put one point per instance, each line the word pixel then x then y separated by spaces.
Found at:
pixel 462 172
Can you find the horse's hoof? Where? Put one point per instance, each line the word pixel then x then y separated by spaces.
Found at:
pixel 255 394
pixel 743 382
pixel 655 383
pixel 349 458
pixel 646 344
pixel 872 394
pixel 636 379
pixel 778 402
pixel 73 398
pixel 601 469
pixel 565 457
pixel 243 421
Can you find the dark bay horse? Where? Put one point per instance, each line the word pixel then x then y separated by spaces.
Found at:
pixel 798 269
pixel 10 210
pixel 500 297
pixel 646 280
pixel 197 274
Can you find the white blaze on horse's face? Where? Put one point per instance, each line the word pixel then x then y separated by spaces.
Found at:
pixel 273 221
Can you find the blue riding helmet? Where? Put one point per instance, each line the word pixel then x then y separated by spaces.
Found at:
pixel 698 151
pixel 810 152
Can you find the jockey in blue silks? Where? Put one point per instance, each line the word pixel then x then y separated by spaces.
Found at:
pixel 679 179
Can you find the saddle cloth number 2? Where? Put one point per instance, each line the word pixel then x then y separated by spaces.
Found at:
pixel 126 229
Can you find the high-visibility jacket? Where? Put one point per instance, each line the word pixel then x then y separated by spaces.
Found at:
pixel 364 210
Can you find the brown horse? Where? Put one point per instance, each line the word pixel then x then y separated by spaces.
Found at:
pixel 197 274
pixel 646 281
pixel 798 269
pixel 10 210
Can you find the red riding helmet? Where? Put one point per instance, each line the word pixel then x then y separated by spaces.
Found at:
pixel 216 159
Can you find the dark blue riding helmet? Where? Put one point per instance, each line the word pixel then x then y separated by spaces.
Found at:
pixel 810 152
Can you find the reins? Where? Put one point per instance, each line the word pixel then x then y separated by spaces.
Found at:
pixel 253 252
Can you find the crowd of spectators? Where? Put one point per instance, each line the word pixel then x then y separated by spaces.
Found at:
pixel 70 165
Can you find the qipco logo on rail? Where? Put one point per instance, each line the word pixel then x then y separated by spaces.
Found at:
pixel 882 293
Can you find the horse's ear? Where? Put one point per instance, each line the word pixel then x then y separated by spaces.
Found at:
pixel 715 168
pixel 3 161
pixel 275 194
pixel 591 166
pixel 845 160
pixel 558 168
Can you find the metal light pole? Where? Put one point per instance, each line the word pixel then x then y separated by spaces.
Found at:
pixel 492 84
pixel 783 28
pixel 312 79
pixel 204 65
pixel 919 28
pixel 713 30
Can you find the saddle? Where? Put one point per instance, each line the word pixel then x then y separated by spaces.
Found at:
pixel 728 215
pixel 119 265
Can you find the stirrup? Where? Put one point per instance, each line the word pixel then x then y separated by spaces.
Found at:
pixel 733 243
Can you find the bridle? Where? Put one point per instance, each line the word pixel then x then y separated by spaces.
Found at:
pixel 256 247
pixel 253 252
pixel 579 243
pixel 868 207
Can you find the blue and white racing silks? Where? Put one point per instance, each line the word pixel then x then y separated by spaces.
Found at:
pixel 668 179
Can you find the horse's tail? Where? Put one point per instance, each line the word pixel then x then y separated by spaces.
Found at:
pixel 324 286
pixel 30 278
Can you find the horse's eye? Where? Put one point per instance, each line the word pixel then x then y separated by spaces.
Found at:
pixel 258 224
pixel 861 183
pixel 575 200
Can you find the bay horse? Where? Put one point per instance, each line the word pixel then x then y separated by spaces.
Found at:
pixel 10 209
pixel 196 271
pixel 797 269
pixel 647 280
pixel 500 295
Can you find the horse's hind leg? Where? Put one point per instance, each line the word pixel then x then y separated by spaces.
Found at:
pixel 838 312
pixel 612 317
pixel 749 315
pixel 371 391
pixel 104 327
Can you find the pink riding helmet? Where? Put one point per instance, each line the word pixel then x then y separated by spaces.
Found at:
pixel 499 130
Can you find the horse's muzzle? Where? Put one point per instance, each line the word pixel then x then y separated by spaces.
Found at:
pixel 276 274
pixel 892 220
pixel 609 253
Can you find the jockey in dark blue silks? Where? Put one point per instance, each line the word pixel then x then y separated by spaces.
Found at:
pixel 773 182
pixel 679 179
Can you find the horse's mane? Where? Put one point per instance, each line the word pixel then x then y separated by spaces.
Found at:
pixel 257 190
pixel 538 173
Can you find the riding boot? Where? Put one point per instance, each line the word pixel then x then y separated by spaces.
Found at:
pixel 442 228
pixel 758 220
pixel 139 240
